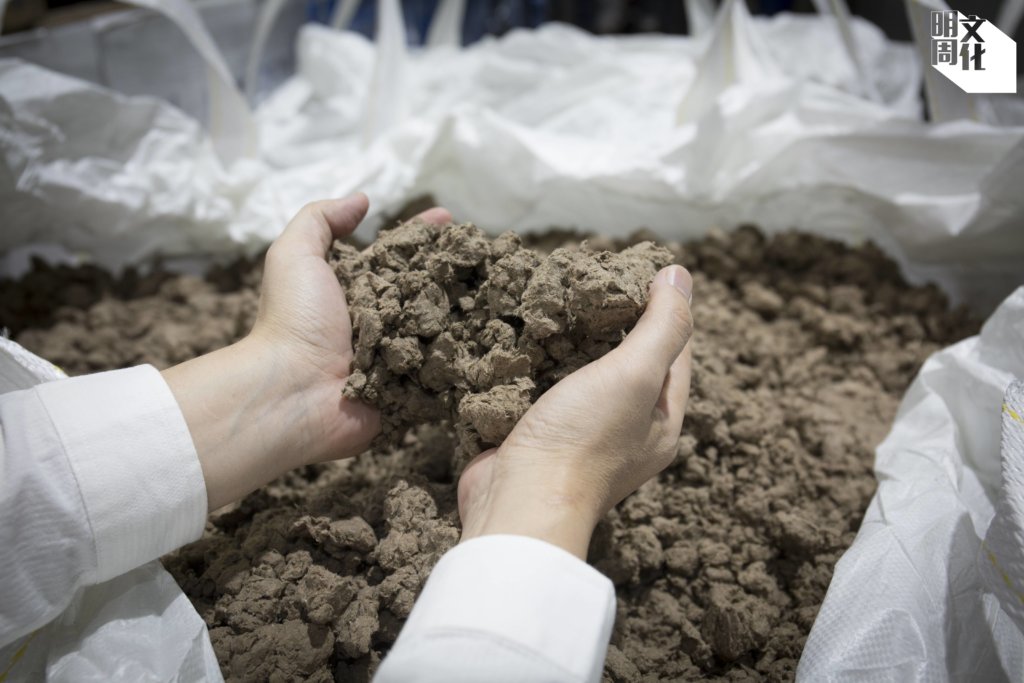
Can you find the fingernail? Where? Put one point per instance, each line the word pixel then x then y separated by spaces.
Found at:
pixel 680 278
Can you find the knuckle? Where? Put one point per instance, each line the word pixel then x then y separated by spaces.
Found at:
pixel 665 449
pixel 310 214
pixel 666 457
pixel 680 321
pixel 310 210
pixel 274 253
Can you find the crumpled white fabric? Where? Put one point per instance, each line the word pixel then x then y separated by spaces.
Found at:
pixel 538 128
pixel 136 627
pixel 921 594
pixel 139 626
pixel 118 177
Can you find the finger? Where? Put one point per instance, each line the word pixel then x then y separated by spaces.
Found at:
pixel 356 417
pixel 471 482
pixel 676 391
pixel 318 224
pixel 666 325
pixel 436 216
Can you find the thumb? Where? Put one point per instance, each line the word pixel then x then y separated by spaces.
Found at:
pixel 316 226
pixel 666 325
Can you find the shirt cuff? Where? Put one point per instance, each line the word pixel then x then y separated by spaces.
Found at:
pixel 523 591
pixel 135 464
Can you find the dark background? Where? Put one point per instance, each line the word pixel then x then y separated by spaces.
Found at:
pixel 496 17
pixel 608 16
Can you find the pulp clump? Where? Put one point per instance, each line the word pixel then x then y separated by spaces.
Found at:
pixel 802 351
pixel 451 325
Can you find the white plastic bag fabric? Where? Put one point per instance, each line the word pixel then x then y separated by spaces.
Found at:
pixel 118 177
pixel 1002 563
pixel 759 120
pixel 230 121
pixel 137 627
pixel 931 588
pixel 123 179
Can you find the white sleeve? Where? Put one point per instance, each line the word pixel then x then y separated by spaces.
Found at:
pixel 98 475
pixel 505 608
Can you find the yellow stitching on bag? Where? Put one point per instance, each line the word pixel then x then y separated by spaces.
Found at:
pixel 1006 577
pixel 18 654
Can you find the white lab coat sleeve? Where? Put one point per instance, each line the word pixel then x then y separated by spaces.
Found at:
pixel 505 608
pixel 98 475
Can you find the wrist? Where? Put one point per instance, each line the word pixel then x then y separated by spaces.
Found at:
pixel 247 415
pixel 279 407
pixel 306 387
pixel 554 519
pixel 288 402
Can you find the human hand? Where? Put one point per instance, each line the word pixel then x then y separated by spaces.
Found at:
pixel 304 321
pixel 594 437
pixel 272 401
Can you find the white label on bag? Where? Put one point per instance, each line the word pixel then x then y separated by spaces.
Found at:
pixel 973 53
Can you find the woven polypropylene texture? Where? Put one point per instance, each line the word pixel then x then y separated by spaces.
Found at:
pixel 1002 555
pixel 931 589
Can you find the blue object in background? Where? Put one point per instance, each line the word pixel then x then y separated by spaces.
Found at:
pixel 417 15
pixel 319 11
pixel 775 6
pixel 482 17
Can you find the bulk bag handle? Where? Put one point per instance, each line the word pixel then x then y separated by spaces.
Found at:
pixel 230 124
pixel 265 21
pixel 386 104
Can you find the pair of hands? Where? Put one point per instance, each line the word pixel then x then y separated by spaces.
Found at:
pixel 273 402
